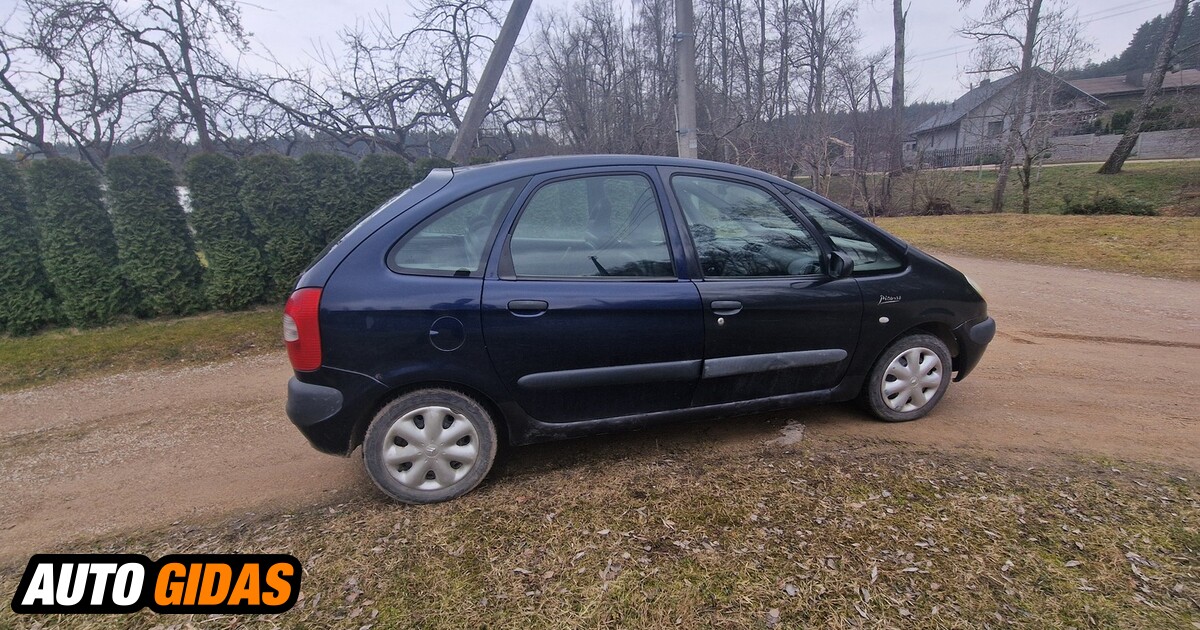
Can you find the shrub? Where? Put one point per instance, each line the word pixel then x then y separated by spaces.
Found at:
pixel 424 165
pixel 381 177
pixel 76 237
pixel 155 248
pixel 272 200
pixel 938 206
pixel 237 271
pixel 26 299
pixel 328 183
pixel 1120 120
pixel 1108 204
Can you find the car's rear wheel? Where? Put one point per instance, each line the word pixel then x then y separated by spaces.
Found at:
pixel 430 445
pixel 908 379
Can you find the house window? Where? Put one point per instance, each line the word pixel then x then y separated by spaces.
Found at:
pixel 995 128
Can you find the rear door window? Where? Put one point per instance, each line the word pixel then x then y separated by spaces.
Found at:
pixel 594 226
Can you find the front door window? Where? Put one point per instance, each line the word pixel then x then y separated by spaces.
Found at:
pixel 742 231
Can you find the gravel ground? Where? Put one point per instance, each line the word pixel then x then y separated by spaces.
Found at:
pixel 1086 364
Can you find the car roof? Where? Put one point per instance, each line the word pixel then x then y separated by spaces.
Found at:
pixel 484 175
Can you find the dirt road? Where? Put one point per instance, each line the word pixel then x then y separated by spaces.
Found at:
pixel 1086 363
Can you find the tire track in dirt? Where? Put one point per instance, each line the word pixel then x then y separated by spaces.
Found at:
pixel 1133 341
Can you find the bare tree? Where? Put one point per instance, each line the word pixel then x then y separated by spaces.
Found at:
pixel 1162 63
pixel 870 125
pixel 94 73
pixel 995 33
pixel 22 119
pixel 69 68
pixel 181 44
pixel 1028 38
pixel 825 34
pixel 606 88
pixel 384 89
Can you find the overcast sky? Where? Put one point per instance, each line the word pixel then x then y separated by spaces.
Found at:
pixel 936 53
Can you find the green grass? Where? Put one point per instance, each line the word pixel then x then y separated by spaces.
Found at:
pixel 1165 247
pixel 27 361
pixel 824 534
pixel 1172 188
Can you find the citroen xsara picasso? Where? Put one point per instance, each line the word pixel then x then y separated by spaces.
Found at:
pixel 555 297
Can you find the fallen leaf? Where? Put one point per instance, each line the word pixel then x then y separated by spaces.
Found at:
pixel 1073 563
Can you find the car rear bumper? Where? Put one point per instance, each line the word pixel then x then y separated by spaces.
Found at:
pixel 973 339
pixel 330 411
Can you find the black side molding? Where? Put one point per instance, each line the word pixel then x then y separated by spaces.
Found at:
pixel 671 371
pixel 754 363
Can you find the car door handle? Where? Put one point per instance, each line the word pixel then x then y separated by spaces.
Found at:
pixel 528 308
pixel 726 307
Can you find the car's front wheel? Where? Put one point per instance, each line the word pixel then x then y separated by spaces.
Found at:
pixel 908 379
pixel 430 445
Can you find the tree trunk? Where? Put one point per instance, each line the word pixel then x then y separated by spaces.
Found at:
pixel 191 96
pixel 896 156
pixel 1161 63
pixel 1025 84
pixel 1026 180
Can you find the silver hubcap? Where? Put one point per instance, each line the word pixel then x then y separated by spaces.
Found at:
pixel 430 448
pixel 911 379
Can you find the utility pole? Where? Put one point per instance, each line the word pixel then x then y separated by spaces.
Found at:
pixel 482 98
pixel 685 69
pixel 896 148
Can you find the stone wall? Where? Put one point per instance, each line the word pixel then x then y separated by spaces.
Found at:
pixel 1179 143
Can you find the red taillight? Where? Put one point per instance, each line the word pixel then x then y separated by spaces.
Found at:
pixel 301 333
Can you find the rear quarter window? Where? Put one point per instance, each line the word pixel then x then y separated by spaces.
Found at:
pixel 453 242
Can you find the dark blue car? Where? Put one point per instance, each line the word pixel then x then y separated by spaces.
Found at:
pixel 555 297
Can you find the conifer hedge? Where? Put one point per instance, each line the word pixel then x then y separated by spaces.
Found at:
pixel 157 254
pixel 381 177
pixel 26 298
pixel 237 268
pixel 328 183
pixel 272 199
pixel 76 240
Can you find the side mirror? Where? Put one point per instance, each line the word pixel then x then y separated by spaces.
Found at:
pixel 840 265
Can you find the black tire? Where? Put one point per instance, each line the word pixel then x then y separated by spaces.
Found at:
pixel 893 407
pixel 405 454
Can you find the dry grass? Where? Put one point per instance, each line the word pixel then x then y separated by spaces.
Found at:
pixel 1165 247
pixel 684 528
pixel 1171 187
pixel 59 354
